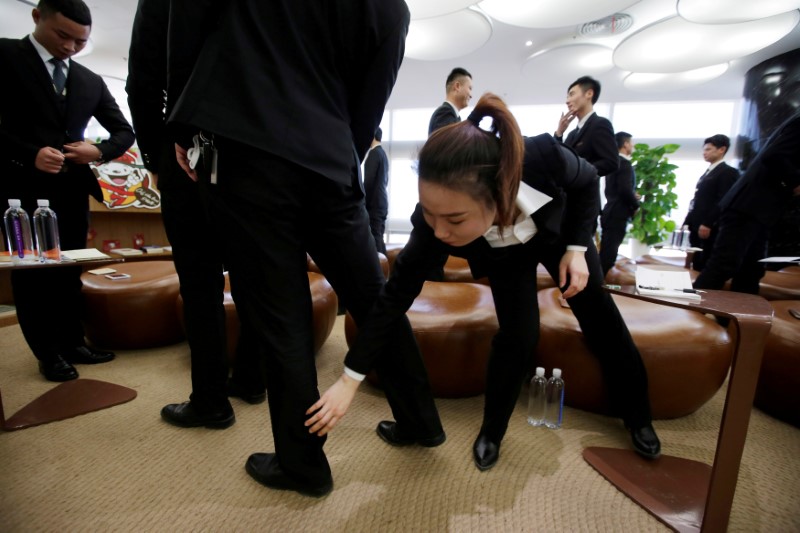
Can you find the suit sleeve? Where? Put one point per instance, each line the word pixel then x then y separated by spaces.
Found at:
pixel 626 185
pixel 443 116
pixel 420 255
pixel 147 78
pixel 371 168
pixel 111 118
pixel 582 187
pixel 722 185
pixel 374 88
pixel 605 147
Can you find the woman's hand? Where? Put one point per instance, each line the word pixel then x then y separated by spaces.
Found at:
pixel 574 264
pixel 332 406
pixel 182 155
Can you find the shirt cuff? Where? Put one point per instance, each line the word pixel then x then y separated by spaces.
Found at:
pixel 576 248
pixel 355 375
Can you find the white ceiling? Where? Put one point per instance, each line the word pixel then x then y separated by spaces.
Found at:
pixel 497 66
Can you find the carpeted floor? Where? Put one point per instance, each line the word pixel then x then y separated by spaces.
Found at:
pixel 123 469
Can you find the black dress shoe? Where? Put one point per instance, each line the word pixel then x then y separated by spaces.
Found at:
pixel 84 355
pixel 264 468
pixel 186 416
pixel 57 370
pixel 388 431
pixel 485 452
pixel 236 390
pixel 645 441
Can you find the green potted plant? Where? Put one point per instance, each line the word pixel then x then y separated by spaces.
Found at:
pixel 655 181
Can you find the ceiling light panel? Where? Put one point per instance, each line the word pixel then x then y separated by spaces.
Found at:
pixel 653 82
pixel 569 61
pixel 551 13
pixel 729 11
pixel 447 37
pixel 422 9
pixel 677 45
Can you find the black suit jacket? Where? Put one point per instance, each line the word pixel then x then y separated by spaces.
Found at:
pixel 32 117
pixel 765 189
pixel 621 201
pixel 710 189
pixel 376 178
pixel 443 116
pixel 549 167
pixel 595 142
pixel 243 84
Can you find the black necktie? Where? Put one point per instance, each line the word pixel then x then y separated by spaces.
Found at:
pixel 59 78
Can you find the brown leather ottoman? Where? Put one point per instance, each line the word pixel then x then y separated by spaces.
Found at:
pixel 133 313
pixel 779 381
pixel 324 306
pixel 454 324
pixel 687 355
pixel 781 285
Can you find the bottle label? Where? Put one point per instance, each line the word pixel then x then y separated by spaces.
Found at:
pixel 18 238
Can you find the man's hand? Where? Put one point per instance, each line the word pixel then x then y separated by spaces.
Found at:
pixel 182 155
pixel 704 232
pixel 574 264
pixel 563 123
pixel 49 160
pixel 332 406
pixel 81 152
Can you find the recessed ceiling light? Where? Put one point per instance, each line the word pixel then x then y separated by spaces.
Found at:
pixel 528 43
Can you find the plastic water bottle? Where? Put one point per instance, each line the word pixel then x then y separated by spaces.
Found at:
pixel 18 234
pixel 685 236
pixel 555 400
pixel 536 398
pixel 45 225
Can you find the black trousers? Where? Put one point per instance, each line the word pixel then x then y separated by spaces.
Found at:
pixel 512 276
pixel 741 241
pixel 612 236
pixel 198 252
pixel 48 301
pixel 271 212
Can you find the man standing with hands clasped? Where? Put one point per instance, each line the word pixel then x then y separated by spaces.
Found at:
pixel 43 116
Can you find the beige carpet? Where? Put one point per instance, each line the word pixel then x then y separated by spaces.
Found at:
pixel 123 469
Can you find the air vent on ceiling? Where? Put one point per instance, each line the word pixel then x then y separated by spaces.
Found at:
pixel 611 25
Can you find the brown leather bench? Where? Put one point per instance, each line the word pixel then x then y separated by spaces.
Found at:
pixel 687 355
pixel 778 391
pixel 324 308
pixel 133 313
pixel 454 324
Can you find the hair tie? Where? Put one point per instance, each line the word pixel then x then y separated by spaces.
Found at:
pixel 475 118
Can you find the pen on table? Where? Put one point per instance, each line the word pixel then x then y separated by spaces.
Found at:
pixel 691 291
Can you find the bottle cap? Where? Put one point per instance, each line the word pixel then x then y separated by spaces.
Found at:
pixel 43 203
pixel 556 372
pixel 14 203
pixel 540 371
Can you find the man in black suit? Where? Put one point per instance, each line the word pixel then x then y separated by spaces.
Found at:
pixel 458 89
pixel 593 139
pixel 282 124
pixel 750 208
pixel 621 202
pixel 704 211
pixel 376 179
pixel 43 154
pixel 184 209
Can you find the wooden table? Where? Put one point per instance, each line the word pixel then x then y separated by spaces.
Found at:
pixel 689 495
